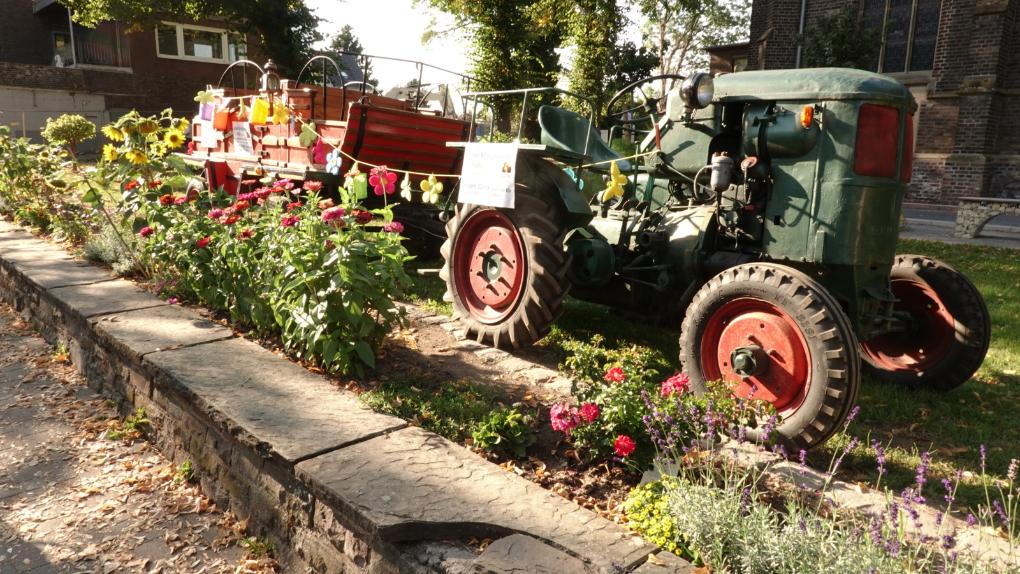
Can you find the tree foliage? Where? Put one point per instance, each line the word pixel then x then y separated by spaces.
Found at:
pixel 678 31
pixel 286 29
pixel 841 40
pixel 347 42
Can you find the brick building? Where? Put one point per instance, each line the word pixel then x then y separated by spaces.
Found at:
pixel 960 59
pixel 49 66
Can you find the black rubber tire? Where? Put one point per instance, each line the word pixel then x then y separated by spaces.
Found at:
pixel 539 220
pixel 971 326
pixel 824 326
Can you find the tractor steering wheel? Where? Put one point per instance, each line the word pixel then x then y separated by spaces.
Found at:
pixel 649 104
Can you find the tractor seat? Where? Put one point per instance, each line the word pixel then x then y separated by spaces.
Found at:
pixel 567 130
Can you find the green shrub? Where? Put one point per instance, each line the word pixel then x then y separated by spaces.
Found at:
pixel 448 408
pixel 68 130
pixel 105 246
pixel 506 431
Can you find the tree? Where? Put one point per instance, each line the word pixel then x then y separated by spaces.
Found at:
pixel 628 64
pixel 593 32
pixel 286 29
pixel 346 42
pixel 841 40
pixel 509 48
pixel 678 31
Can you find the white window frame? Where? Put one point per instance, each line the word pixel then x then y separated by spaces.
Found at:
pixel 224 39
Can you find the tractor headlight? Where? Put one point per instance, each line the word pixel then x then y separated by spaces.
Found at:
pixel 698 90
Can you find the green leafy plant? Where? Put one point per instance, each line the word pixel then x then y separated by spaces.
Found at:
pixel 449 408
pixel 505 431
pixel 186 473
pixel 131 428
pixel 68 130
pixel 647 511
pixel 258 547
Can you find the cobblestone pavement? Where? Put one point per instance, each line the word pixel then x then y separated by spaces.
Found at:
pixel 73 500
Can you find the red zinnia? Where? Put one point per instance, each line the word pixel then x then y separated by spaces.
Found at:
pixel 145 231
pixel 333 215
pixel 615 375
pixel 155 183
pixel 241 205
pixel 230 219
pixel 246 234
pixel 180 200
pixel 293 205
pixel 624 446
pixel 131 185
pixel 394 227
pixel 289 221
pixel 312 186
pixel 362 216
pixel 166 199
pixel 202 243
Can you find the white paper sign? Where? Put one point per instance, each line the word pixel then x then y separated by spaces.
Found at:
pixel 242 139
pixel 488 174
pixel 208 137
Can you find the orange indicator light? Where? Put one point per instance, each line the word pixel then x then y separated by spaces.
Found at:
pixel 807 113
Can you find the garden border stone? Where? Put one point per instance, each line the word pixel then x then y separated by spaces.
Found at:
pixel 339 488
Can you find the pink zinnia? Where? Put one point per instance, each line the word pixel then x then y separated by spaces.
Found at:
pixel 313 185
pixel 589 412
pixel 563 417
pixel 215 213
pixel 624 446
pixel 289 221
pixel 394 227
pixel 284 184
pixel 677 384
pixel 293 205
pixel 382 180
pixel 146 231
pixel 615 375
pixel 333 214
pixel 180 200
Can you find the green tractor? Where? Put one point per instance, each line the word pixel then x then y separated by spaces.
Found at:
pixel 763 220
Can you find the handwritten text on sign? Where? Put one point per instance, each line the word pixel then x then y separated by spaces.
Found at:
pixel 242 139
pixel 488 174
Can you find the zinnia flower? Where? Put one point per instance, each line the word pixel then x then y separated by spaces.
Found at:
pixel 563 417
pixel 174 138
pixel 289 221
pixel 624 446
pixel 241 205
pixel 245 234
pixel 293 205
pixel 362 216
pixel 589 412
pixel 180 200
pixel 394 227
pixel 382 180
pixel 230 219
pixel 113 134
pixel 284 184
pixel 130 185
pixel 215 213
pixel 146 231
pixel 202 243
pixel 677 384
pixel 615 375
pixel 313 186
pixel 333 214
pixel 166 199
pixel 110 153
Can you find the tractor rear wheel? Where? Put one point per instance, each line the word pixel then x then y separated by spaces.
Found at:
pixel 505 269
pixel 775 334
pixel 949 328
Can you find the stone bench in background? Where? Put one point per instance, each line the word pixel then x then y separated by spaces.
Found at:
pixel 974 212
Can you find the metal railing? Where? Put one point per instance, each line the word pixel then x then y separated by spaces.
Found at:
pixel 525 92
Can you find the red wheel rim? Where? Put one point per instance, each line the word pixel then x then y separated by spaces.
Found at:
pixel 783 373
pixel 924 345
pixel 488 265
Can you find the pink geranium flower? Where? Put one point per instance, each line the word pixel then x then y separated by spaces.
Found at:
pixel 615 375
pixel 678 384
pixel 624 446
pixel 394 227
pixel 382 180
pixel 563 417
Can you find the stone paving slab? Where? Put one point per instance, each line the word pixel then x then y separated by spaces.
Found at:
pixel 158 329
pixel 106 297
pixel 290 411
pixel 49 273
pixel 413 484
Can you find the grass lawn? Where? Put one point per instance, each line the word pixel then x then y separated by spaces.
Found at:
pixel 951 425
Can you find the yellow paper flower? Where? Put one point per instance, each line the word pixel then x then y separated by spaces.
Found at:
pixel 615 187
pixel 113 134
pixel 147 127
pixel 431 188
pixel 174 139
pixel 405 187
pixel 110 153
pixel 136 157
pixel 280 114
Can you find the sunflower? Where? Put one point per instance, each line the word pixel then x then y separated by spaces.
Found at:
pixel 174 139
pixel 147 127
pixel 113 134
pixel 110 153
pixel 182 124
pixel 136 157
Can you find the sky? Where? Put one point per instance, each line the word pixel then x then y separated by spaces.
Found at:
pixel 394 28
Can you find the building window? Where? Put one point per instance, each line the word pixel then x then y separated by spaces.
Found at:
pixel 909 29
pixel 198 43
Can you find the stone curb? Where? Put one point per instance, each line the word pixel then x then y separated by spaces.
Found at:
pixel 339 488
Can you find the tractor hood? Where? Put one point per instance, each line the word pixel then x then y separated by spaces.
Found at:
pixel 809 84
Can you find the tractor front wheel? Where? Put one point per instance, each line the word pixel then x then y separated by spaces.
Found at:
pixel 505 270
pixel 947 332
pixel 774 334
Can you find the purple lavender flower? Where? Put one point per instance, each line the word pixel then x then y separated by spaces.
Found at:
pixel 802 457
pixel 921 477
pixel 984 454
pixel 770 425
pixel 948 541
pixel 879 456
pixel 745 501
pixel 876 531
pixel 948 485
pixel 1000 512
pixel 1011 473
pixel 971 520
pixel 850 417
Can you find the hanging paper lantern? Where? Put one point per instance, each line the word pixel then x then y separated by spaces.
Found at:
pixel 259 111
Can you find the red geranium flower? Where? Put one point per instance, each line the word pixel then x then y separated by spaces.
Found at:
pixel 677 384
pixel 615 375
pixel 624 446
pixel 589 412
pixel 202 243
pixel 563 417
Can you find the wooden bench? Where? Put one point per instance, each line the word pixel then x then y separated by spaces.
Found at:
pixel 974 212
